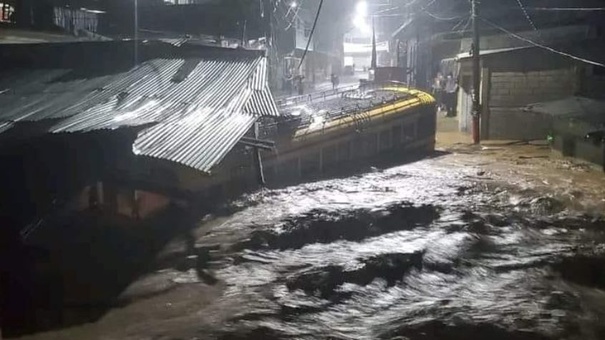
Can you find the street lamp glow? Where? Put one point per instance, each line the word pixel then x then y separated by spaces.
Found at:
pixel 362 8
pixel 293 4
pixel 362 25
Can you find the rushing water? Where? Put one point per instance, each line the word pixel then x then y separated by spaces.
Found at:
pixel 429 250
pixel 421 251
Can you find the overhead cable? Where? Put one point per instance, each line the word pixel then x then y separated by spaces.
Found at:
pixel 542 46
pixel 571 9
pixel 443 19
pixel 531 23
pixel 295 15
pixel 436 17
pixel 459 24
pixel 311 34
pixel 468 23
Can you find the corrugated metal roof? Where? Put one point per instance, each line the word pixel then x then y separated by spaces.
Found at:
pixel 262 101
pixel 225 98
pixel 201 106
pixel 200 140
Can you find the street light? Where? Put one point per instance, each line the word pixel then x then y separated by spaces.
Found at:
pixel 293 4
pixel 360 19
pixel 362 8
pixel 361 24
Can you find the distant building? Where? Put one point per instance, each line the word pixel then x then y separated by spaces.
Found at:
pixel 423 37
pixel 292 35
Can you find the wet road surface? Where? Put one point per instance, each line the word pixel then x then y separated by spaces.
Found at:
pixel 437 249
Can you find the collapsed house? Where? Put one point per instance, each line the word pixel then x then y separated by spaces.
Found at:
pixel 80 125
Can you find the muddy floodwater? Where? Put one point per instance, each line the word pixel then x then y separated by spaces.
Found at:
pixel 451 247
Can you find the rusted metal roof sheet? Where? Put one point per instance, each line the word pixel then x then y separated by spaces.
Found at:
pixel 198 108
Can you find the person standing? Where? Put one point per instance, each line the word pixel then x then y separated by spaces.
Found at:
pixel 299 85
pixel 438 87
pixel 451 90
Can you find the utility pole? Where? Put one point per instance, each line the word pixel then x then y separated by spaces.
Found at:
pixel 476 112
pixel 374 62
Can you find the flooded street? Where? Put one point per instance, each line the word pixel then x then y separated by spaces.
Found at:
pixel 466 244
pixel 421 251
pixel 302 170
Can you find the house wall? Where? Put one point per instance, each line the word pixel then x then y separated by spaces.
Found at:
pixel 592 87
pixel 569 140
pixel 592 82
pixel 515 124
pixel 510 92
pixel 518 89
pixel 510 82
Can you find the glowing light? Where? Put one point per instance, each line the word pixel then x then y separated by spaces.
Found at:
pixel 362 8
pixel 360 19
pixel 293 4
pixel 362 25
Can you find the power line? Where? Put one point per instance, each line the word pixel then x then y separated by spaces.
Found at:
pixel 428 5
pixel 443 19
pixel 412 3
pixel 531 23
pixel 295 16
pixel 458 24
pixel 405 6
pixel 463 29
pixel 542 46
pixel 436 17
pixel 386 10
pixel 311 34
pixel 585 9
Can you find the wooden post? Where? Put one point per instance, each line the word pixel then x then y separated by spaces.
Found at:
pixel 258 163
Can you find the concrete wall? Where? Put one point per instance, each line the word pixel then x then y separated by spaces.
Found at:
pixel 510 92
pixel 569 140
pixel 517 89
pixel 592 86
pixel 515 124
